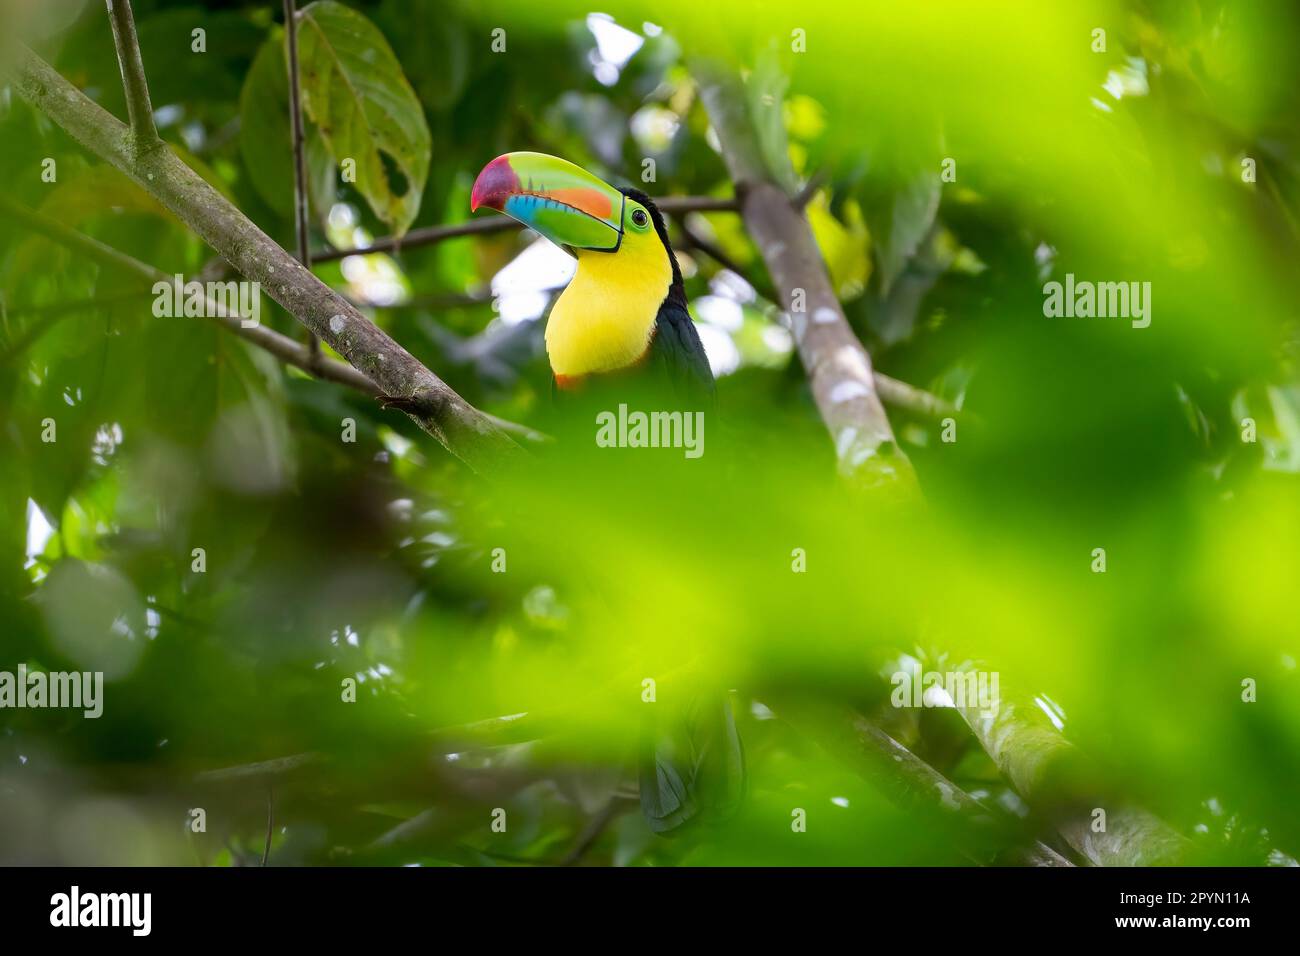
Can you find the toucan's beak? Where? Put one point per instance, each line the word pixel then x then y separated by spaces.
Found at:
pixel 563 202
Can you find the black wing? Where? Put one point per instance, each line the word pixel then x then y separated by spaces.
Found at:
pixel 677 354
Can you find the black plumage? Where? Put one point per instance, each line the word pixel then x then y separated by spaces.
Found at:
pixel 676 353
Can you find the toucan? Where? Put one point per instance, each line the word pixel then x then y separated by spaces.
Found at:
pixel 625 310
pixel 621 328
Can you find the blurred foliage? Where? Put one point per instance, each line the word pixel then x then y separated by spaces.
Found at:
pixel 373 560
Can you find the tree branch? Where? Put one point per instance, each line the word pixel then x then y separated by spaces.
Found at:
pixel 266 768
pixel 139 109
pixel 670 205
pixel 918 401
pixel 839 368
pixel 270 822
pixel 1055 778
pixel 892 391
pixel 693 240
pixel 910 783
pixel 466 432
pixel 595 827
pixel 1038 761
pixel 299 155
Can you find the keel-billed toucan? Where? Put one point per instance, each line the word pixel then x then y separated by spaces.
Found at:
pixel 620 325
pixel 625 308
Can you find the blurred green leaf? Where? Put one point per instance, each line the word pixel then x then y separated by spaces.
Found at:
pixel 179 74
pixel 910 217
pixel 766 91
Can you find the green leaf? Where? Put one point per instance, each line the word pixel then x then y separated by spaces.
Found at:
pixel 354 90
pixel 197 375
pixel 1284 451
pixel 910 219
pixel 266 140
pixel 766 92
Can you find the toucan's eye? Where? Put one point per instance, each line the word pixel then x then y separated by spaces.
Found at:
pixel 639 217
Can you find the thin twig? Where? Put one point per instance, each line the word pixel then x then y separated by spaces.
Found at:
pixel 669 205
pixel 594 828
pixel 139 109
pixel 919 402
pixel 270 822
pixel 815 182
pixel 695 241
pixel 264 768
pixel 299 153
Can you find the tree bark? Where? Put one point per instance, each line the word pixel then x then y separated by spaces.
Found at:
pixel 913 785
pixel 300 200
pixel 1056 779
pixel 839 368
pixel 138 107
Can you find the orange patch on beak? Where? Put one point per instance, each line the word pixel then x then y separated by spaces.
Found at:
pixel 590 201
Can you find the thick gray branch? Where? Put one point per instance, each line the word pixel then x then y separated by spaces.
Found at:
pixel 1055 778
pixel 839 368
pixel 912 784
pixel 462 429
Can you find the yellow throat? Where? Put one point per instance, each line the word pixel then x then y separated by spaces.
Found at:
pixel 603 320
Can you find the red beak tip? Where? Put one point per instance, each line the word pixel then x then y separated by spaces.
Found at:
pixel 493 185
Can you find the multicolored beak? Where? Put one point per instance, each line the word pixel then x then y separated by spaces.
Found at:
pixel 552 196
